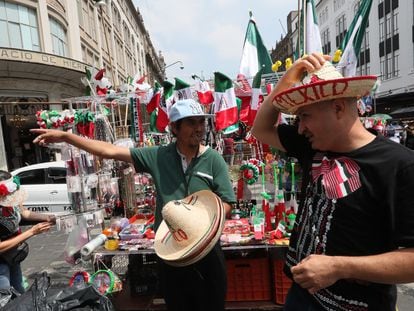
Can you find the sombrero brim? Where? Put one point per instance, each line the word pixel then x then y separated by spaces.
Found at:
pixel 289 101
pixel 16 198
pixel 204 248
pixel 170 250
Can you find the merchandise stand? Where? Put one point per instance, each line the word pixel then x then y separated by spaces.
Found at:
pixel 254 277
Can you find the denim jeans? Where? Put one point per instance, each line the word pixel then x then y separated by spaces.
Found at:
pixel 11 276
pixel 298 299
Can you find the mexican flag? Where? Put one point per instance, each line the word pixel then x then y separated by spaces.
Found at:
pixel 235 127
pixel 310 41
pixel 165 103
pixel 351 45
pixel 155 99
pixel 182 89
pixel 225 104
pixel 313 35
pixel 257 97
pixel 204 93
pixel 169 95
pixel 255 54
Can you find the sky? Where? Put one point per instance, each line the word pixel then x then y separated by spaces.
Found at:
pixel 208 35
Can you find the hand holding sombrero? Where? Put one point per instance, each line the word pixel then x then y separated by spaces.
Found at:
pixel 321 83
pixel 190 229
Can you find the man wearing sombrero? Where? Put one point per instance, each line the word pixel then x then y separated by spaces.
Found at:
pixel 354 233
pixel 193 195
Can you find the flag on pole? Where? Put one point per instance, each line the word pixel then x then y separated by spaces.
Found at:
pixel 168 96
pixel 225 104
pixel 155 99
pixel 351 45
pixel 244 92
pixel 235 127
pixel 165 104
pixel 257 97
pixel 309 39
pixel 204 93
pixel 255 55
pixel 313 35
pixel 139 80
pixel 182 89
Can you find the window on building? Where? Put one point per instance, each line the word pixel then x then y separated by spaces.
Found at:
pixel 389 39
pixel 58 34
pixel 87 19
pixel 340 30
pixel 338 4
pixel 18 27
pixel 326 43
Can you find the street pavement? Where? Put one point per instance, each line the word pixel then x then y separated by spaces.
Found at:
pixel 46 255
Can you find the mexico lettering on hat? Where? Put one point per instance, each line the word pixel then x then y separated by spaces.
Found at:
pixel 322 85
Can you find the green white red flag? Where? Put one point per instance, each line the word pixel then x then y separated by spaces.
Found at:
pixel 167 100
pixel 182 89
pixel 313 35
pixel 257 97
pixel 225 104
pixel 255 54
pixel 309 39
pixel 204 93
pixel 155 99
pixel 351 45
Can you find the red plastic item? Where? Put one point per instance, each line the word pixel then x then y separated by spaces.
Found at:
pixel 248 279
pixel 281 283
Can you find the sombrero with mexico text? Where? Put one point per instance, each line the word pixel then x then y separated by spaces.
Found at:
pixel 10 192
pixel 190 229
pixel 322 85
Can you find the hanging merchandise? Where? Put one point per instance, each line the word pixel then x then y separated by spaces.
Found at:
pixel 137 130
pixel 79 279
pixel 108 191
pixel 250 172
pixel 53 119
pixel 106 282
pixel 280 209
pixel 293 204
pixel 85 123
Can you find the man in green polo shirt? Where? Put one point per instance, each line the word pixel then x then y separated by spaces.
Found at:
pixel 178 169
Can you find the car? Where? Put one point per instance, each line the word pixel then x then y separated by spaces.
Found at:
pixel 45 184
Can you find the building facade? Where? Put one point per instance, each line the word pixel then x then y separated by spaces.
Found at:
pixel 387 49
pixel 285 47
pixel 45 46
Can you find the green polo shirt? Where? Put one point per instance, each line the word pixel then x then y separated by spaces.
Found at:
pixel 207 172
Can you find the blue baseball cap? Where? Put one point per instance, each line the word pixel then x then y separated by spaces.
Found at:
pixel 186 108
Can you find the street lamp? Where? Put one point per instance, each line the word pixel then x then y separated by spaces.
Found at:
pixel 177 62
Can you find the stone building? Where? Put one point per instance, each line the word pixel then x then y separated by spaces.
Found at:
pixel 45 46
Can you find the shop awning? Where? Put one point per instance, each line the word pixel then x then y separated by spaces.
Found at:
pixel 406 111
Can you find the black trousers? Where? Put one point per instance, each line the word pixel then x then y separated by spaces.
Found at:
pixel 198 287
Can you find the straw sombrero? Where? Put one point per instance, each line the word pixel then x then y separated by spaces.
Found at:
pixel 10 192
pixel 321 85
pixel 190 229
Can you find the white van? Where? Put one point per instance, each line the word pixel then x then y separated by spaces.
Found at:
pixel 45 184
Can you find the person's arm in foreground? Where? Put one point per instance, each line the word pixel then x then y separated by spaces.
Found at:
pixel 13 242
pixel 316 272
pixel 264 124
pixel 37 217
pixel 95 147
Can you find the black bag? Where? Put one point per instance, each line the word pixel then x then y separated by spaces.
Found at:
pixel 15 255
